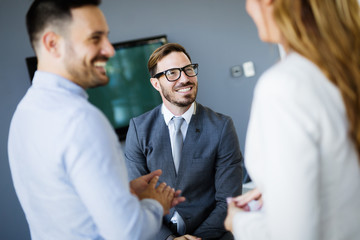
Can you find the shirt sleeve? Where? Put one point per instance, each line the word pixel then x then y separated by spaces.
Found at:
pixel 283 160
pixel 96 168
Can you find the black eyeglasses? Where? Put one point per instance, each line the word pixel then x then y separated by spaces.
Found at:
pixel 174 74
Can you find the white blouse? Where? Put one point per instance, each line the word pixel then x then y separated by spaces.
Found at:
pixel 300 156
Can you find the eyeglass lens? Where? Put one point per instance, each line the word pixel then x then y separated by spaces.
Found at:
pixel 174 74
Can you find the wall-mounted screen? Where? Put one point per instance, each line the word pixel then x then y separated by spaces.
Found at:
pixel 129 92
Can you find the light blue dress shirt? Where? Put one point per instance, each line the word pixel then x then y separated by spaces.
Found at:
pixel 69 170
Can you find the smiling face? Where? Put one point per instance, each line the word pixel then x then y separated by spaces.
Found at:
pixel 87 48
pixel 180 94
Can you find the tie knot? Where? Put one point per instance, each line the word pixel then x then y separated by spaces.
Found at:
pixel 178 121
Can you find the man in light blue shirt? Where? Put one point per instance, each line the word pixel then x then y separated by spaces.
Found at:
pixel 66 162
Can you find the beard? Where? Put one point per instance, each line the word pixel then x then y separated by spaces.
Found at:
pixel 84 74
pixel 185 101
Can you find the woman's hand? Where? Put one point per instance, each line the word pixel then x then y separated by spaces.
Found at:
pixel 187 237
pixel 243 201
pixel 232 210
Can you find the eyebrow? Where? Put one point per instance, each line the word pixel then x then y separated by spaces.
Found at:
pixel 96 33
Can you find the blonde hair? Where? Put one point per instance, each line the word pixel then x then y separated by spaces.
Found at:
pixel 328 34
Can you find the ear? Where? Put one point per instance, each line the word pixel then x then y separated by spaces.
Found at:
pixel 155 83
pixel 51 42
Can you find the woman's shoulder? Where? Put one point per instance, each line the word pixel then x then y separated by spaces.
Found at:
pixel 293 74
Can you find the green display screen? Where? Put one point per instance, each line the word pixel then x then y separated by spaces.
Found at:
pixel 129 92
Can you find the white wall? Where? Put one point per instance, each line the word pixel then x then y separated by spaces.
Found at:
pixel 217 34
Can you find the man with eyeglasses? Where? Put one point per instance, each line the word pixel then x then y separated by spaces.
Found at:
pixel 196 148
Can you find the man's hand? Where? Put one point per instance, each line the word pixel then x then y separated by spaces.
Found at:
pixel 187 237
pixel 177 198
pixel 138 185
pixel 163 194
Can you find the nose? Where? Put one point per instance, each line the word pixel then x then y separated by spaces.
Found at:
pixel 107 48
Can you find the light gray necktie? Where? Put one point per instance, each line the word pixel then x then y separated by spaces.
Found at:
pixel 178 144
pixel 178 141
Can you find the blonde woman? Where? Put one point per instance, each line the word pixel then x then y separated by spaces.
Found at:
pixel 303 140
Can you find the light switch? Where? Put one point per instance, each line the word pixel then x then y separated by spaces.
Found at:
pixel 249 69
pixel 236 71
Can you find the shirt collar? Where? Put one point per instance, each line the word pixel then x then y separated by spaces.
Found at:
pixel 187 115
pixel 53 81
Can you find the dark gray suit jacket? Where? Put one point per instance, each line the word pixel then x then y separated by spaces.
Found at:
pixel 209 171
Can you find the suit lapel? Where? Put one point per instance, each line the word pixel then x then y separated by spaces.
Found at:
pixel 162 143
pixel 191 141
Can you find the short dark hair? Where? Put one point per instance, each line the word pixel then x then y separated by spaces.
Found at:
pixel 161 52
pixel 43 13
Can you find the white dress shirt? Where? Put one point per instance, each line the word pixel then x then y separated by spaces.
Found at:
pixel 168 117
pixel 300 156
pixel 69 171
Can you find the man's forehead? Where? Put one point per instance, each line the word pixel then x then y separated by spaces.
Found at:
pixel 173 60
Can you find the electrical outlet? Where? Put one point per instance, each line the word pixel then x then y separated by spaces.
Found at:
pixel 236 71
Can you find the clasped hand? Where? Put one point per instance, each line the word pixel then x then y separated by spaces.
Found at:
pixel 187 237
pixel 145 187
pixel 241 203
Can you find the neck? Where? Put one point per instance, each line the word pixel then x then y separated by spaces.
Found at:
pixel 176 110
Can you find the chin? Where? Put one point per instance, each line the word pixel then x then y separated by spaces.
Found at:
pixel 185 103
pixel 99 83
pixel 263 38
pixel 103 80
